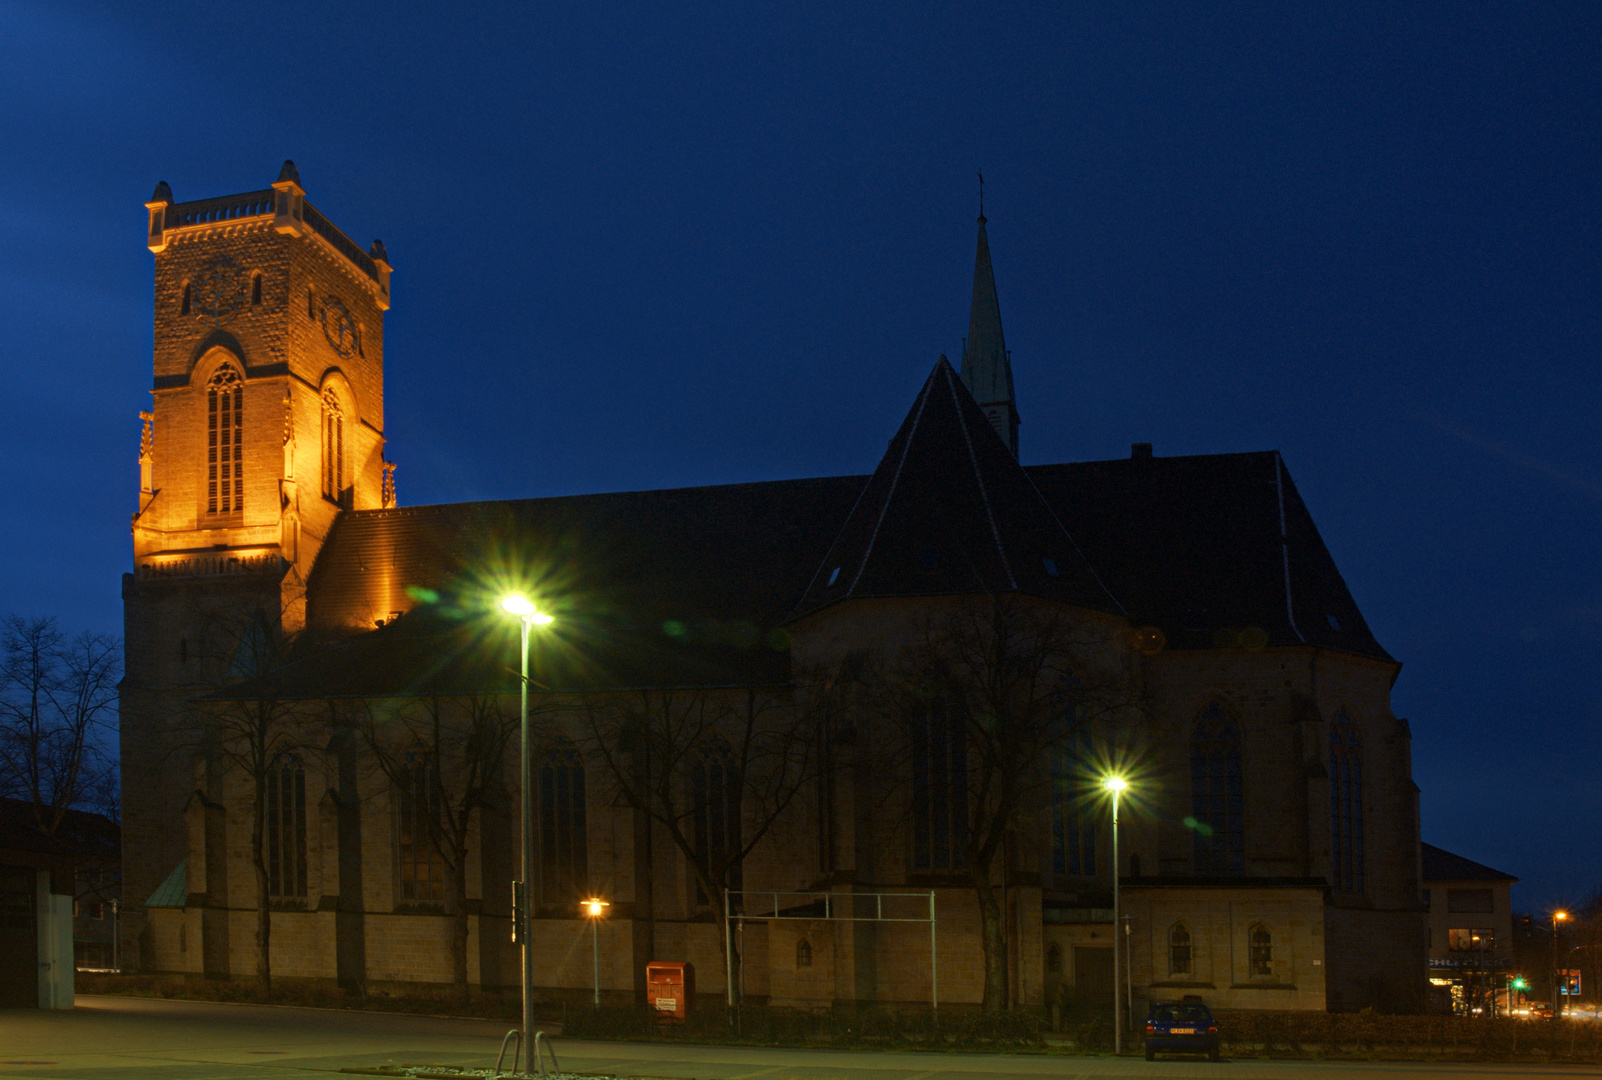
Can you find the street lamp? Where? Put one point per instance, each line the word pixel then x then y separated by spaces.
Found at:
pixel 1116 785
pixel 594 909
pixel 528 615
pixel 1557 990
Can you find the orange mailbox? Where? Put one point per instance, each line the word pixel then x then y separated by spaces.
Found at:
pixel 670 988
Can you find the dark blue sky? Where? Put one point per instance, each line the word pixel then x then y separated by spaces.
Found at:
pixel 637 249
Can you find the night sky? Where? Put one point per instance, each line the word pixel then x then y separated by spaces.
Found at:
pixel 635 250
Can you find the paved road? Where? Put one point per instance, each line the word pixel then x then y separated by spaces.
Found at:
pixel 108 1038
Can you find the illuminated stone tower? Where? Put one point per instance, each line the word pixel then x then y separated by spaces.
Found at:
pixel 267 422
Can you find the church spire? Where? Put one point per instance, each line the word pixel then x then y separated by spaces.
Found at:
pixel 986 364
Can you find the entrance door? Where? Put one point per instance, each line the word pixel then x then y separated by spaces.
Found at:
pixel 1093 977
pixel 19 947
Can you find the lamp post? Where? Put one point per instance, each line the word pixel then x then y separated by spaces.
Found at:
pixel 528 615
pixel 594 908
pixel 1116 785
pixel 1557 988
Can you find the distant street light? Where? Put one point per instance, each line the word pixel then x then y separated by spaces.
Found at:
pixel 1557 990
pixel 594 909
pixel 1116 785
pixel 528 615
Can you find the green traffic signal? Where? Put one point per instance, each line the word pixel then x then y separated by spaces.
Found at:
pixel 1520 984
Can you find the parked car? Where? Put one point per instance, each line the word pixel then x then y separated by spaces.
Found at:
pixel 1185 1027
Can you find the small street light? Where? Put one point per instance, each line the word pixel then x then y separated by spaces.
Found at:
pixel 1557 989
pixel 594 910
pixel 528 615
pixel 1116 785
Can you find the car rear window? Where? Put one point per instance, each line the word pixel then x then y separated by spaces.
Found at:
pixel 1181 1014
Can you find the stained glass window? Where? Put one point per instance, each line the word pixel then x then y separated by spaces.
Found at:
pixel 1073 821
pixel 939 789
pixel 564 843
pixel 286 828
pixel 225 443
pixel 422 867
pixel 333 448
pixel 1217 799
pixel 715 788
pixel 1346 805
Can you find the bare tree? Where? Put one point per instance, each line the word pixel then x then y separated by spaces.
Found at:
pixel 445 759
pixel 715 768
pixel 250 727
pixel 979 702
pixel 58 700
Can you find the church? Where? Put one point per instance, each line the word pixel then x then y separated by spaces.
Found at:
pixel 736 749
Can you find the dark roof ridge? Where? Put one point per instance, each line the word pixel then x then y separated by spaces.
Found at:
pixel 379 513
pixel 949 511
pixel 1438 864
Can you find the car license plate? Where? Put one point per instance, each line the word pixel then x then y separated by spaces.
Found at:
pixel 1181 1031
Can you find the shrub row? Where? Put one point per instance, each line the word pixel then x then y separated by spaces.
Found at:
pixel 1328 1035
pixel 762 1025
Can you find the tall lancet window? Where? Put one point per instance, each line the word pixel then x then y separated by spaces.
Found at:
pixel 285 838
pixel 1217 799
pixel 564 846
pixel 939 789
pixel 333 448
pixel 1346 805
pixel 715 791
pixel 225 442
pixel 1073 823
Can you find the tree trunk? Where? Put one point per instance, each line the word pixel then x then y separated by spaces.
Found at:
pixel 264 913
pixel 994 937
pixel 459 926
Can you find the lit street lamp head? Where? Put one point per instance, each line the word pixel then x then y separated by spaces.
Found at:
pixel 517 604
pixel 1115 783
pixel 593 908
pixel 521 606
pixel 1560 915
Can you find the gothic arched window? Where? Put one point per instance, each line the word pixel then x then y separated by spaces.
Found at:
pixel 1179 950
pixel 1073 826
pixel 1346 804
pixel 939 788
pixel 803 953
pixel 333 448
pixel 225 442
pixel 422 867
pixel 1260 951
pixel 715 789
pixel 1217 802
pixel 564 843
pixel 286 827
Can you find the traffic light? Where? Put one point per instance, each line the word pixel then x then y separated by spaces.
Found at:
pixel 1519 984
pixel 519 912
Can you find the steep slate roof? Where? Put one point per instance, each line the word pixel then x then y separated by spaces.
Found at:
pixel 665 587
pixel 949 511
pixel 1442 865
pixel 1195 546
pixel 689 585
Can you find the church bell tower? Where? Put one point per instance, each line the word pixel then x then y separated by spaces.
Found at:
pixel 266 423
pixel 268 411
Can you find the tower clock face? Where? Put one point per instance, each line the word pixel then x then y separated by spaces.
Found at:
pixel 339 326
pixel 219 291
